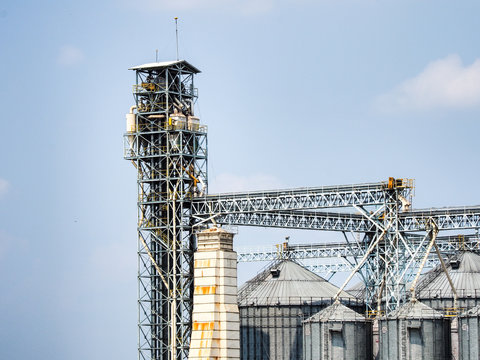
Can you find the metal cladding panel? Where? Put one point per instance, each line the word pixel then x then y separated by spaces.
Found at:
pixel 331 340
pixel 293 286
pixel 445 303
pixel 411 338
pixel 273 332
pixel 469 334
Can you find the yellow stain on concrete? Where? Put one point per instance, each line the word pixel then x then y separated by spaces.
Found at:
pixel 208 325
pixel 205 263
pixel 205 290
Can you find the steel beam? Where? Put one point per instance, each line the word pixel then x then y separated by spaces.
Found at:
pixel 311 220
pixel 448 245
pixel 325 269
pixel 412 221
pixel 454 218
pixel 292 199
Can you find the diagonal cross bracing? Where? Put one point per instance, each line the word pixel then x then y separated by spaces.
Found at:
pixel 448 245
pixel 445 218
pixel 298 220
pixel 292 199
pixel 313 251
pixel 346 267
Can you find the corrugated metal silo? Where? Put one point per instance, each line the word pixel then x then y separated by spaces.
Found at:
pixel 414 331
pixel 273 305
pixel 469 334
pixel 337 332
pixel 434 290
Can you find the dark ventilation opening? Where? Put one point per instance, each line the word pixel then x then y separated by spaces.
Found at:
pixel 455 264
pixel 275 273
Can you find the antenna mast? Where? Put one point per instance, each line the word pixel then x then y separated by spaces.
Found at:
pixel 176 33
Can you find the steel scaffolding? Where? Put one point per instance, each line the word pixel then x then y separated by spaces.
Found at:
pixel 169 150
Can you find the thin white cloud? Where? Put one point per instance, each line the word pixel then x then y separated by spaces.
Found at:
pixel 248 7
pixel 444 83
pixel 4 186
pixel 234 183
pixel 70 55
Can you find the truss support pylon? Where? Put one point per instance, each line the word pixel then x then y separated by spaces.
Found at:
pixel 387 270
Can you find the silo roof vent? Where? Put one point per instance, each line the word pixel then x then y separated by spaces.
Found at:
pixel 455 264
pixel 275 272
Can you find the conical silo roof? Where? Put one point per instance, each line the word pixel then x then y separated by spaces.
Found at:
pixel 357 290
pixel 464 270
pixel 416 310
pixel 287 283
pixel 336 312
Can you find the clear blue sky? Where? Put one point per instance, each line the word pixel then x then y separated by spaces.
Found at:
pixel 295 93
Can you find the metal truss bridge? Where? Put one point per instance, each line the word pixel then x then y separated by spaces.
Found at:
pixel 448 245
pixel 395 236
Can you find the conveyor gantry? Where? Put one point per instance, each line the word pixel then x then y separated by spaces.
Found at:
pixel 448 245
pixel 325 197
pixel 294 213
pixel 346 252
pixel 375 209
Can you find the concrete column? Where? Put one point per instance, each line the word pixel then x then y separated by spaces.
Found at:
pixel 375 339
pixel 455 352
pixel 215 318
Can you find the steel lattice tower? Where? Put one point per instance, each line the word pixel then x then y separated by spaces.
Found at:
pixel 168 147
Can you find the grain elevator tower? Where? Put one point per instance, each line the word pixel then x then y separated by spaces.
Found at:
pixel 168 147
